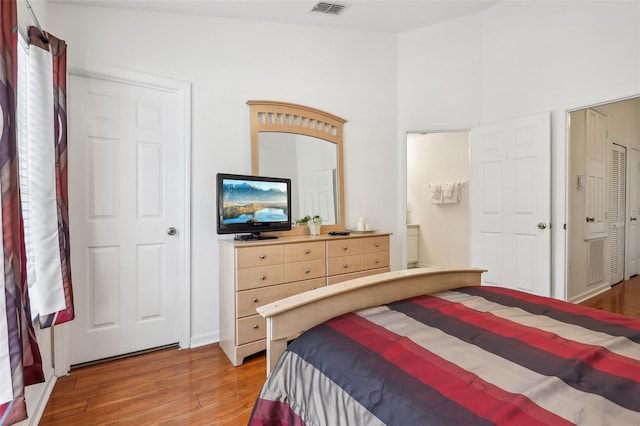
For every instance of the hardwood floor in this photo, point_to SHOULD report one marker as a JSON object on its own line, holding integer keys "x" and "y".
{"x": 199, "y": 386}
{"x": 623, "y": 298}
{"x": 169, "y": 387}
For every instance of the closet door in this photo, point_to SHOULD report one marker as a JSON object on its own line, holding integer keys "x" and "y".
{"x": 632, "y": 253}
{"x": 618, "y": 212}
{"x": 595, "y": 171}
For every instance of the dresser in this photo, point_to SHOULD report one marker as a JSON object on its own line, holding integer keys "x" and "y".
{"x": 254, "y": 273}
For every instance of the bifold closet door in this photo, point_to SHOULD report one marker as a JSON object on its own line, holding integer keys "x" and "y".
{"x": 617, "y": 192}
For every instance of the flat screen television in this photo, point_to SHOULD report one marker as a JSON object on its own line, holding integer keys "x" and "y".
{"x": 250, "y": 205}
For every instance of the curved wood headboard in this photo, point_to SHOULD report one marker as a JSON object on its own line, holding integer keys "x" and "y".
{"x": 293, "y": 315}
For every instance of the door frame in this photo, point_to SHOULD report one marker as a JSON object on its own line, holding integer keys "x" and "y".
{"x": 563, "y": 128}
{"x": 61, "y": 341}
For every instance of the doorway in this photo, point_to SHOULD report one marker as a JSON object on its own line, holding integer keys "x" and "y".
{"x": 129, "y": 214}
{"x": 602, "y": 242}
{"x": 442, "y": 229}
{"x": 505, "y": 213}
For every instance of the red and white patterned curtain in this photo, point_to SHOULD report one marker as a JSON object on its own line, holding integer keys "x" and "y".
{"x": 49, "y": 178}
{"x": 20, "y": 361}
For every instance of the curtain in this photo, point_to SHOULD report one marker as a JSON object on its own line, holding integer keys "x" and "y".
{"x": 20, "y": 360}
{"x": 48, "y": 179}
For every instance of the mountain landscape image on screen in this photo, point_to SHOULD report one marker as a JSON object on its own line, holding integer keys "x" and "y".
{"x": 244, "y": 202}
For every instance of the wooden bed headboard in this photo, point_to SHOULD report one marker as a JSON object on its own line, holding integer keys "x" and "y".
{"x": 293, "y": 315}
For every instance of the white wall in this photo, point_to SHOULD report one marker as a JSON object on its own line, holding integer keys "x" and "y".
{"x": 445, "y": 234}
{"x": 350, "y": 74}
{"x": 519, "y": 58}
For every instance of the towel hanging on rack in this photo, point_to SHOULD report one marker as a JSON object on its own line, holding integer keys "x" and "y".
{"x": 436, "y": 192}
{"x": 447, "y": 192}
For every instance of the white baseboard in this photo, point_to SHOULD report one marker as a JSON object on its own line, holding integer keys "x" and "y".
{"x": 590, "y": 293}
{"x": 426, "y": 265}
{"x": 37, "y": 397}
{"x": 205, "y": 339}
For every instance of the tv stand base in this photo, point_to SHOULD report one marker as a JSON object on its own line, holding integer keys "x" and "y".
{"x": 252, "y": 237}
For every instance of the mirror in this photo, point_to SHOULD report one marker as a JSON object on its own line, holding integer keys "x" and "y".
{"x": 305, "y": 145}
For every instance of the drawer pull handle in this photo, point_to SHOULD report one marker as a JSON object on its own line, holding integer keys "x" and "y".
{"x": 306, "y": 271}
{"x": 262, "y": 256}
{"x": 377, "y": 244}
{"x": 313, "y": 288}
{"x": 377, "y": 261}
{"x": 256, "y": 326}
{"x": 255, "y": 300}
{"x": 345, "y": 265}
{"x": 262, "y": 278}
{"x": 345, "y": 248}
{"x": 307, "y": 251}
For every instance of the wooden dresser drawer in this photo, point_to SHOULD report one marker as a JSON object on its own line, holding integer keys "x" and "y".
{"x": 375, "y": 244}
{"x": 343, "y": 265}
{"x": 249, "y": 300}
{"x": 261, "y": 277}
{"x": 251, "y": 257}
{"x": 250, "y": 329}
{"x": 299, "y": 271}
{"x": 344, "y": 277}
{"x": 304, "y": 251}
{"x": 344, "y": 247}
{"x": 375, "y": 260}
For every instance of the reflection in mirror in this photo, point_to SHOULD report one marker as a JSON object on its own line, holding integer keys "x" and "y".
{"x": 305, "y": 145}
{"x": 311, "y": 165}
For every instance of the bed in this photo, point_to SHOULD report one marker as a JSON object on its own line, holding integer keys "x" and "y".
{"x": 432, "y": 346}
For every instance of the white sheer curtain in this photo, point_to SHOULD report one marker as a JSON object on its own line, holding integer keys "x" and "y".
{"x": 38, "y": 183}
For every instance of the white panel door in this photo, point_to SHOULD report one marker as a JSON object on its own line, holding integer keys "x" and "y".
{"x": 511, "y": 203}
{"x": 124, "y": 190}
{"x": 596, "y": 173}
{"x": 618, "y": 212}
{"x": 632, "y": 252}
{"x": 317, "y": 196}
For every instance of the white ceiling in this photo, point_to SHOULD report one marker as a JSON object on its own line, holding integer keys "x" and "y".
{"x": 364, "y": 15}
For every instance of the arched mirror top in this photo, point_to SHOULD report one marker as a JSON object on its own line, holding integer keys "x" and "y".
{"x": 283, "y": 118}
{"x": 272, "y": 116}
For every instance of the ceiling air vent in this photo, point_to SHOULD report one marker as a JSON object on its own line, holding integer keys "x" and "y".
{"x": 329, "y": 8}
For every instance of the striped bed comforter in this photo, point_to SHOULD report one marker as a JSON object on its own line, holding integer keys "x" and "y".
{"x": 476, "y": 355}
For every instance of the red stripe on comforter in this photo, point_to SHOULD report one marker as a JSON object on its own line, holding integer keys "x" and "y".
{"x": 459, "y": 385}
{"x": 597, "y": 357}
{"x": 273, "y": 413}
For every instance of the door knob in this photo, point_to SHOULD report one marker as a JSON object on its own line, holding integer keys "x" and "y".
{"x": 171, "y": 231}
{"x": 542, "y": 225}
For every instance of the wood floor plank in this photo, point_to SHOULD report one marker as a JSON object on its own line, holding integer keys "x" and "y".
{"x": 623, "y": 298}
{"x": 198, "y": 386}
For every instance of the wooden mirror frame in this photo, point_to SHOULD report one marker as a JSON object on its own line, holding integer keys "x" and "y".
{"x": 274, "y": 116}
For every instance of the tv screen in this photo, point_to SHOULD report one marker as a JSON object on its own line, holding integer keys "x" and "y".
{"x": 252, "y": 205}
